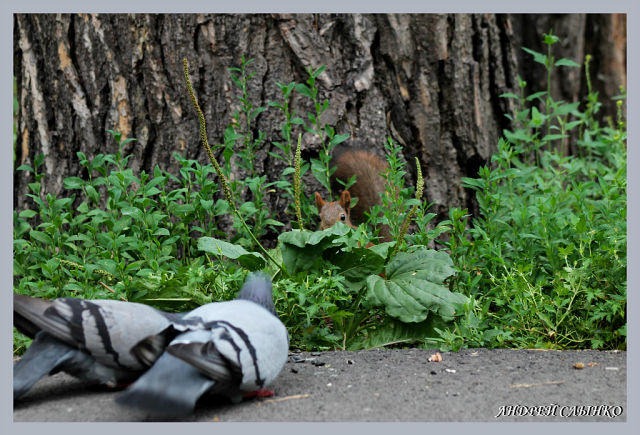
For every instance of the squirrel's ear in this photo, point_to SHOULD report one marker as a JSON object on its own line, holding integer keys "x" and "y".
{"x": 319, "y": 202}
{"x": 345, "y": 201}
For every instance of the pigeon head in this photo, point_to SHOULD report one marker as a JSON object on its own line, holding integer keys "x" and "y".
{"x": 257, "y": 288}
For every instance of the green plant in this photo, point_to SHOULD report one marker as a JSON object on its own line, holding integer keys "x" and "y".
{"x": 320, "y": 167}
{"x": 546, "y": 259}
{"x": 223, "y": 180}
{"x": 120, "y": 233}
{"x": 154, "y": 238}
{"x": 291, "y": 191}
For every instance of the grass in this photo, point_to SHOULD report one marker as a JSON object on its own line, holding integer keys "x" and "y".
{"x": 542, "y": 265}
{"x": 545, "y": 262}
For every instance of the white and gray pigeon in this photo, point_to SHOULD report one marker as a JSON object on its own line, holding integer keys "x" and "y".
{"x": 89, "y": 339}
{"x": 241, "y": 350}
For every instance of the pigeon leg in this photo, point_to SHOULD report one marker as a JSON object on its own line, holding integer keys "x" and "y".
{"x": 261, "y": 392}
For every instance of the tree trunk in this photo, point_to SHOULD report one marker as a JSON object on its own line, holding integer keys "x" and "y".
{"x": 603, "y": 36}
{"x": 431, "y": 82}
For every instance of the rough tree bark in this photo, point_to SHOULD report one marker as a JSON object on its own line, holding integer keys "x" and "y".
{"x": 603, "y": 36}
{"x": 432, "y": 82}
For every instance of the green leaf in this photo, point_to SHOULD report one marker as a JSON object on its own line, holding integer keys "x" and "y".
{"x": 563, "y": 109}
{"x": 134, "y": 212}
{"x": 554, "y": 137}
{"x": 92, "y": 193}
{"x": 357, "y": 264}
{"x": 41, "y": 237}
{"x": 304, "y": 90}
{"x": 393, "y": 332}
{"x": 27, "y": 214}
{"x": 536, "y": 95}
{"x": 301, "y": 249}
{"x": 550, "y": 39}
{"x": 537, "y": 57}
{"x": 566, "y": 62}
{"x": 413, "y": 286}
{"x": 250, "y": 260}
{"x": 183, "y": 209}
{"x": 571, "y": 125}
{"x": 34, "y": 187}
{"x": 518, "y": 135}
{"x": 339, "y": 138}
{"x": 509, "y": 95}
{"x": 25, "y": 168}
{"x": 150, "y": 191}
{"x": 273, "y": 222}
{"x": 473, "y": 183}
{"x": 545, "y": 320}
{"x": 319, "y": 71}
{"x": 73, "y": 183}
{"x": 536, "y": 117}
{"x": 108, "y": 265}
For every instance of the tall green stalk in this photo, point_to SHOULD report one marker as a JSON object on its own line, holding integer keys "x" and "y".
{"x": 223, "y": 179}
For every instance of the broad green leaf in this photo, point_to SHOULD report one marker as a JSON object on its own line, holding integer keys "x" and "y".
{"x": 301, "y": 249}
{"x": 250, "y": 260}
{"x": 108, "y": 265}
{"x": 27, "y": 214}
{"x": 413, "y": 286}
{"x": 393, "y": 332}
{"x": 357, "y": 265}
{"x": 382, "y": 249}
{"x": 473, "y": 183}
{"x": 134, "y": 212}
{"x": 304, "y": 90}
{"x": 302, "y": 239}
{"x": 73, "y": 183}
{"x": 183, "y": 209}
{"x": 150, "y": 191}
{"x": 41, "y": 237}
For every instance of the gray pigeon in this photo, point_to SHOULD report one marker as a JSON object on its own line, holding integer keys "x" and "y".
{"x": 89, "y": 339}
{"x": 241, "y": 350}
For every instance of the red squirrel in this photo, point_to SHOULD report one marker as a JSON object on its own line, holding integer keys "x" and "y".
{"x": 369, "y": 184}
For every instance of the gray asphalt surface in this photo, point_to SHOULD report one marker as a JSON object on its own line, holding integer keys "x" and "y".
{"x": 388, "y": 385}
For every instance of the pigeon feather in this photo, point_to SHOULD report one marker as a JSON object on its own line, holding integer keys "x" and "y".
{"x": 238, "y": 346}
{"x": 89, "y": 339}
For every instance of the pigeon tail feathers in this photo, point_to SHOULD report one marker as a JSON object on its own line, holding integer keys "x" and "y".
{"x": 168, "y": 389}
{"x": 257, "y": 288}
{"x": 45, "y": 354}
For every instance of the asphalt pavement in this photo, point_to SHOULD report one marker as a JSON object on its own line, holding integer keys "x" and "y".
{"x": 388, "y": 386}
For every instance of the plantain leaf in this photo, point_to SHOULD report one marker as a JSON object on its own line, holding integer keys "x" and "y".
{"x": 301, "y": 249}
{"x": 250, "y": 260}
{"x": 393, "y": 332}
{"x": 414, "y": 286}
{"x": 356, "y": 265}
